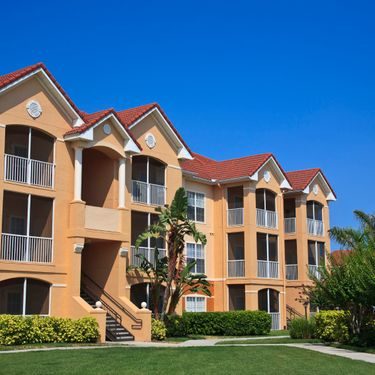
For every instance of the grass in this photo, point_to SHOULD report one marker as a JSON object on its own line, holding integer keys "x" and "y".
{"x": 42, "y": 346}
{"x": 281, "y": 340}
{"x": 185, "y": 338}
{"x": 203, "y": 360}
{"x": 361, "y": 349}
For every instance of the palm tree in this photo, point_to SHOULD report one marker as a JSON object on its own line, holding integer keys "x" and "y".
{"x": 173, "y": 226}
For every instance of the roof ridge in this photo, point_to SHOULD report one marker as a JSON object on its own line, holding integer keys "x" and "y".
{"x": 246, "y": 157}
{"x": 304, "y": 170}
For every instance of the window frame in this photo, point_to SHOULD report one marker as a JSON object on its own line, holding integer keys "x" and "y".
{"x": 195, "y": 244}
{"x": 195, "y": 206}
{"x": 195, "y": 297}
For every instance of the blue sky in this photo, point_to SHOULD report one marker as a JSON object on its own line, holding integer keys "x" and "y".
{"x": 295, "y": 78}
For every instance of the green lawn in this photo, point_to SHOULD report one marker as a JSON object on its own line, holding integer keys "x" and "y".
{"x": 208, "y": 360}
{"x": 281, "y": 340}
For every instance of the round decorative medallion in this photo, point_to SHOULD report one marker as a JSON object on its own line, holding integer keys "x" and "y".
{"x": 150, "y": 140}
{"x": 34, "y": 109}
{"x": 107, "y": 129}
{"x": 316, "y": 189}
{"x": 267, "y": 176}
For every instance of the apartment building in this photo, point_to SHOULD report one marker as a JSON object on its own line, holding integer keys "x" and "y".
{"x": 76, "y": 190}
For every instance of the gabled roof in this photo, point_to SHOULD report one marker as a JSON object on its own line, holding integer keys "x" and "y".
{"x": 131, "y": 117}
{"x": 10, "y": 80}
{"x": 246, "y": 167}
{"x": 301, "y": 179}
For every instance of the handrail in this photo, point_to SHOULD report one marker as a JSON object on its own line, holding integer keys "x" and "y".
{"x": 291, "y": 310}
{"x": 138, "y": 322}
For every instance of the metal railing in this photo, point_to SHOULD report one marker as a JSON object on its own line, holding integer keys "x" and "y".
{"x": 315, "y": 227}
{"x": 291, "y": 271}
{"x": 290, "y": 225}
{"x": 153, "y": 194}
{"x": 275, "y": 319}
{"x": 20, "y": 248}
{"x": 236, "y": 268}
{"x": 266, "y": 219}
{"x": 235, "y": 216}
{"x": 147, "y": 252}
{"x": 314, "y": 270}
{"x": 29, "y": 171}
{"x": 268, "y": 269}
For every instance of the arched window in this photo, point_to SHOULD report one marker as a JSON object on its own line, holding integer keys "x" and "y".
{"x": 23, "y": 296}
{"x": 142, "y": 293}
{"x": 29, "y": 156}
{"x": 266, "y": 208}
{"x": 148, "y": 177}
{"x": 314, "y": 210}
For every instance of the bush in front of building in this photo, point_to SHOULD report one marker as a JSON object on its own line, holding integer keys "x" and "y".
{"x": 175, "y": 325}
{"x": 158, "y": 330}
{"x": 332, "y": 326}
{"x": 301, "y": 328}
{"x": 19, "y": 330}
{"x": 230, "y": 323}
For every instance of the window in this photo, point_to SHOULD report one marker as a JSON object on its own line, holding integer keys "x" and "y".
{"x": 24, "y": 297}
{"x": 195, "y": 206}
{"x": 267, "y": 247}
{"x": 195, "y": 253}
{"x": 265, "y": 200}
{"x": 195, "y": 304}
{"x": 316, "y": 253}
{"x": 314, "y": 210}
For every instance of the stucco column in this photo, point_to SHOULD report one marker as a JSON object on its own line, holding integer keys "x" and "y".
{"x": 78, "y": 174}
{"x": 121, "y": 182}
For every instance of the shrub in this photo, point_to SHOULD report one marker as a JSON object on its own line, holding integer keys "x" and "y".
{"x": 175, "y": 326}
{"x": 232, "y": 323}
{"x": 158, "y": 330}
{"x": 301, "y": 328}
{"x": 332, "y": 325}
{"x": 19, "y": 330}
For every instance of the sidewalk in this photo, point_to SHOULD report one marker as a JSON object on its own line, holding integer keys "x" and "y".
{"x": 366, "y": 357}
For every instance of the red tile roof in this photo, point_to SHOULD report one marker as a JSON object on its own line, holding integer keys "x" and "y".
{"x": 9, "y": 78}
{"x": 130, "y": 116}
{"x": 339, "y": 255}
{"x": 301, "y": 179}
{"x": 206, "y": 168}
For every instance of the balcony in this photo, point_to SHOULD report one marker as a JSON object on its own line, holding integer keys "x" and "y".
{"x": 268, "y": 269}
{"x": 236, "y": 268}
{"x": 102, "y": 219}
{"x": 291, "y": 271}
{"x": 20, "y": 248}
{"x": 315, "y": 227}
{"x": 147, "y": 193}
{"x": 290, "y": 225}
{"x": 314, "y": 270}
{"x": 28, "y": 171}
{"x": 235, "y": 216}
{"x": 266, "y": 218}
{"x": 147, "y": 252}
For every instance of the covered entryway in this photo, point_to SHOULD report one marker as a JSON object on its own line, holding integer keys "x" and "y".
{"x": 143, "y": 293}
{"x": 268, "y": 300}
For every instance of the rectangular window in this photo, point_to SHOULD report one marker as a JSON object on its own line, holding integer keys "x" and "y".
{"x": 195, "y": 253}
{"x": 195, "y": 206}
{"x": 195, "y": 304}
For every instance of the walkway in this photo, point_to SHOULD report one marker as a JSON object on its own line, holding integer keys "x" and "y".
{"x": 366, "y": 357}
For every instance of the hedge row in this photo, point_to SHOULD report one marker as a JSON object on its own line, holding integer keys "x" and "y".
{"x": 232, "y": 323}
{"x": 19, "y": 330}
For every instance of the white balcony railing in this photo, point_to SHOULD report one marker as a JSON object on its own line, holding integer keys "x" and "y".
{"x": 21, "y": 248}
{"x": 29, "y": 171}
{"x": 148, "y": 193}
{"x": 314, "y": 270}
{"x": 290, "y": 225}
{"x": 147, "y": 252}
{"x": 236, "y": 268}
{"x": 291, "y": 271}
{"x": 268, "y": 269}
{"x": 266, "y": 219}
{"x": 315, "y": 227}
{"x": 275, "y": 319}
{"x": 235, "y": 216}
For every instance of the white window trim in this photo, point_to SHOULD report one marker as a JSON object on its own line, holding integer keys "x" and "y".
{"x": 196, "y": 296}
{"x": 195, "y": 206}
{"x": 195, "y": 258}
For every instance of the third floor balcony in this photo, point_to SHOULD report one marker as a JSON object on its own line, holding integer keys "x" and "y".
{"x": 29, "y": 157}
{"x": 235, "y": 215}
{"x": 266, "y": 215}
